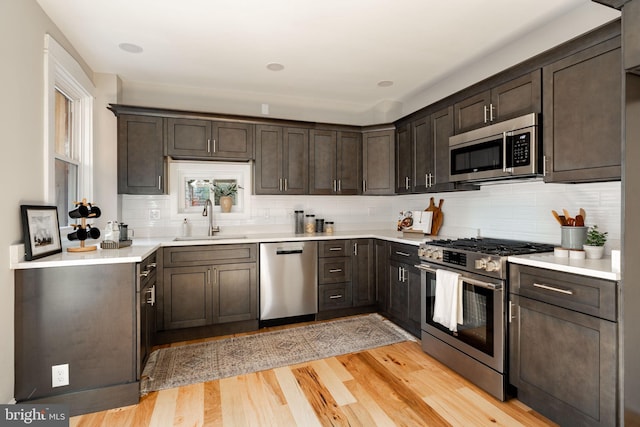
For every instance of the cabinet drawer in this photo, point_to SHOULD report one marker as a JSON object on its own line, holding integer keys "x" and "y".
{"x": 200, "y": 255}
{"x": 334, "y": 270}
{"x": 334, "y": 296}
{"x": 333, "y": 248}
{"x": 405, "y": 253}
{"x": 588, "y": 295}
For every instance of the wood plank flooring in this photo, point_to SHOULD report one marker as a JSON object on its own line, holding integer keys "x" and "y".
{"x": 396, "y": 385}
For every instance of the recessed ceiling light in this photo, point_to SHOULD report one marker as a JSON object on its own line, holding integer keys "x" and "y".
{"x": 275, "y": 66}
{"x": 130, "y": 47}
{"x": 385, "y": 83}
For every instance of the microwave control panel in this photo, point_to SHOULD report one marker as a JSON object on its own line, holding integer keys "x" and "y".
{"x": 521, "y": 149}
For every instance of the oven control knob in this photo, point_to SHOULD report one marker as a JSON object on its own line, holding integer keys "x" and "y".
{"x": 436, "y": 254}
{"x": 422, "y": 252}
{"x": 492, "y": 266}
{"x": 481, "y": 264}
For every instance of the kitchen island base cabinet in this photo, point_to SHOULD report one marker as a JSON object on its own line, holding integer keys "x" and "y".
{"x": 83, "y": 316}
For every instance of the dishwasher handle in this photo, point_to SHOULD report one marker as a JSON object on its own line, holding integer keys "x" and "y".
{"x": 288, "y": 251}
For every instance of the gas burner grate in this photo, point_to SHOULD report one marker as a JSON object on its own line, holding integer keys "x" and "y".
{"x": 491, "y": 246}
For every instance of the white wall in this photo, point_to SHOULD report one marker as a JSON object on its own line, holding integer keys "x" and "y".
{"x": 510, "y": 210}
{"x": 22, "y": 28}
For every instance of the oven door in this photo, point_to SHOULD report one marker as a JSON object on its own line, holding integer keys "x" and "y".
{"x": 482, "y": 334}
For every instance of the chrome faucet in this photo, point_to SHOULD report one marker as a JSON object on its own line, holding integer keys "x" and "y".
{"x": 208, "y": 211}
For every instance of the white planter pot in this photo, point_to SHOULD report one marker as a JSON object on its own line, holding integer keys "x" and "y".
{"x": 593, "y": 252}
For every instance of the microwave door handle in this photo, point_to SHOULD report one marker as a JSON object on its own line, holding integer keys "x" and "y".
{"x": 505, "y": 140}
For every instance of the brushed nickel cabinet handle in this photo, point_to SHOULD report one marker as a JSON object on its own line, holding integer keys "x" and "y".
{"x": 336, "y": 248}
{"x": 402, "y": 253}
{"x": 335, "y": 296}
{"x": 552, "y": 288}
{"x": 208, "y": 145}
{"x": 355, "y": 249}
{"x": 335, "y": 270}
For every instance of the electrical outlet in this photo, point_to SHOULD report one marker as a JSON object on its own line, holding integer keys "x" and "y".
{"x": 154, "y": 214}
{"x": 60, "y": 375}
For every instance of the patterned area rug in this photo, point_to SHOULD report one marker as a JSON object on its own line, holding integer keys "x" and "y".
{"x": 194, "y": 363}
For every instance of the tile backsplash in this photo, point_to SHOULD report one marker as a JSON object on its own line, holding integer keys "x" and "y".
{"x": 514, "y": 210}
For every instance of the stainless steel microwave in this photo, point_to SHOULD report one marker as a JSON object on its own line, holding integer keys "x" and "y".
{"x": 509, "y": 149}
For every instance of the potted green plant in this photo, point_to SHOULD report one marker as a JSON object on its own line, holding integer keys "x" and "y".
{"x": 226, "y": 192}
{"x": 594, "y": 244}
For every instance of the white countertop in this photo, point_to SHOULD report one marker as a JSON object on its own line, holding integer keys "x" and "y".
{"x": 600, "y": 268}
{"x": 143, "y": 247}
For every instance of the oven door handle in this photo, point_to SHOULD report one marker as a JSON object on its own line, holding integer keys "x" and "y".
{"x": 490, "y": 286}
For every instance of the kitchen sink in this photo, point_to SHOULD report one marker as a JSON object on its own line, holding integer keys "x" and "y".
{"x": 222, "y": 237}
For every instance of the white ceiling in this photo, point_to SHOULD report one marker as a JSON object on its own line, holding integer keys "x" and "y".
{"x": 332, "y": 50}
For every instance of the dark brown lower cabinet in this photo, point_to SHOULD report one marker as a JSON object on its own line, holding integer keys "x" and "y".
{"x": 564, "y": 346}
{"x": 83, "y": 317}
{"x": 404, "y": 296}
{"x": 208, "y": 285}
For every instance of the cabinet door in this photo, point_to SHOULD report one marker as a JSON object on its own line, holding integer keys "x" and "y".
{"x": 472, "y": 112}
{"x": 442, "y": 129}
{"x": 233, "y": 141}
{"x": 322, "y": 162}
{"x": 413, "y": 310}
{"x": 398, "y": 291}
{"x": 382, "y": 275}
{"x": 582, "y": 110}
{"x": 378, "y": 159}
{"x": 517, "y": 97}
{"x": 404, "y": 159}
{"x": 235, "y": 292}
{"x": 187, "y": 297}
{"x": 563, "y": 363}
{"x": 334, "y": 296}
{"x": 140, "y": 155}
{"x": 269, "y": 161}
{"x": 349, "y": 162}
{"x": 188, "y": 138}
{"x": 363, "y": 272}
{"x": 295, "y": 161}
{"x": 422, "y": 144}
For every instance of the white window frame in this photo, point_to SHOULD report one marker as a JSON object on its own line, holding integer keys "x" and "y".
{"x": 62, "y": 71}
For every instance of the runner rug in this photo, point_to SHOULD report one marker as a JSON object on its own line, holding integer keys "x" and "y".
{"x": 193, "y": 363}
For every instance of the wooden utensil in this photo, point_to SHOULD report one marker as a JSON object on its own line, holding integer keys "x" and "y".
{"x": 579, "y": 221}
{"x": 557, "y": 217}
{"x": 437, "y": 219}
{"x": 583, "y": 214}
{"x": 566, "y": 214}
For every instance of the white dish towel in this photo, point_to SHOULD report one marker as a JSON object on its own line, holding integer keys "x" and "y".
{"x": 447, "y": 308}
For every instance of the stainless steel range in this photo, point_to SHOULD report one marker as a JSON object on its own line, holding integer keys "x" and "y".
{"x": 475, "y": 347}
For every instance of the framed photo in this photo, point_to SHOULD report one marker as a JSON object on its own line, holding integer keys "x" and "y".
{"x": 41, "y": 231}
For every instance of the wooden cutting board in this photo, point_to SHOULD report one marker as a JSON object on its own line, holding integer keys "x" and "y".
{"x": 437, "y": 219}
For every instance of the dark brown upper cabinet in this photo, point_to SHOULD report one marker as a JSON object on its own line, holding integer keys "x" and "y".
{"x": 210, "y": 140}
{"x": 514, "y": 98}
{"x": 414, "y": 156}
{"x": 582, "y": 127}
{"x": 282, "y": 159}
{"x": 378, "y": 153}
{"x": 141, "y": 165}
{"x": 335, "y": 162}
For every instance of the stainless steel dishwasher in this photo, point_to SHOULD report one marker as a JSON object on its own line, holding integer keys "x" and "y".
{"x": 288, "y": 279}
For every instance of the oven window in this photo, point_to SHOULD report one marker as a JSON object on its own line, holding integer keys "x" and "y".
{"x": 477, "y": 329}
{"x": 477, "y": 157}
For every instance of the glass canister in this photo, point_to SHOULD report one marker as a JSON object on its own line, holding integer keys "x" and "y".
{"x": 320, "y": 225}
{"x": 310, "y": 224}
{"x": 328, "y": 227}
{"x": 299, "y": 222}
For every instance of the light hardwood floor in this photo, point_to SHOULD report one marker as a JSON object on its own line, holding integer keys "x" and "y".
{"x": 396, "y": 385}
